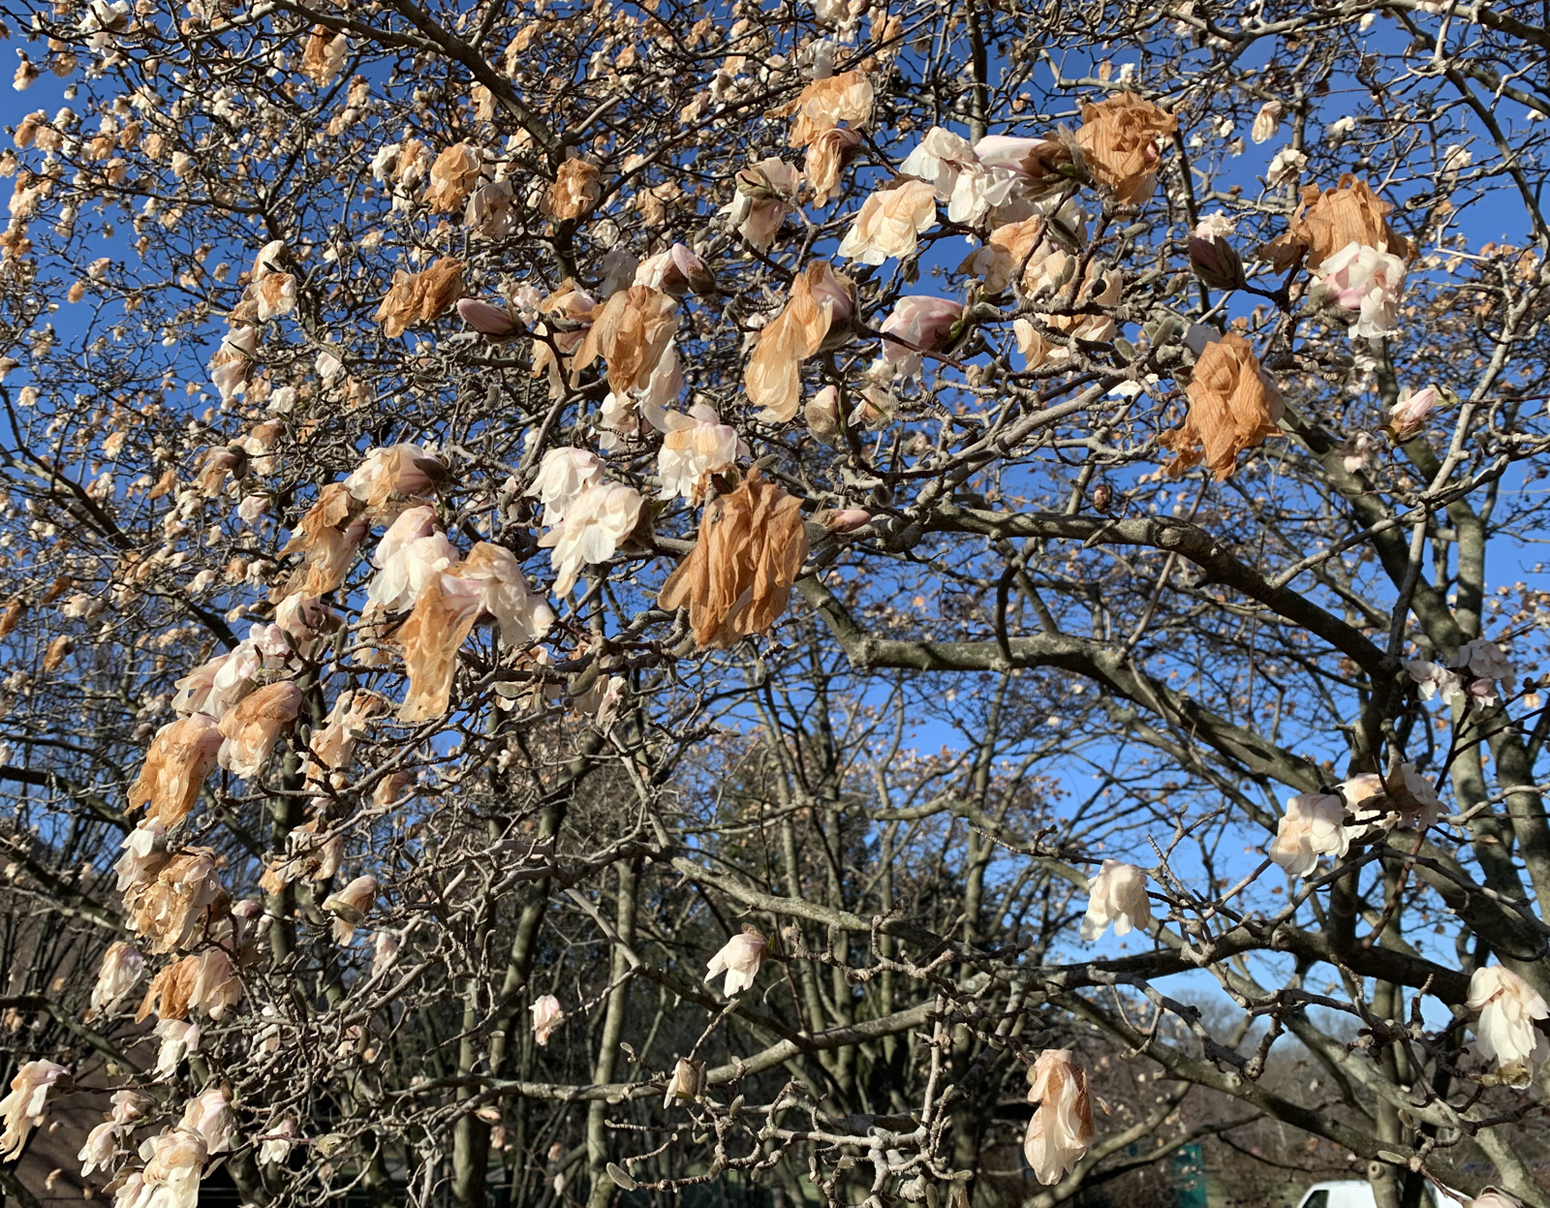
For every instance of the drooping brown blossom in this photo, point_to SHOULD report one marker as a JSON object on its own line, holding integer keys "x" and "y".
{"x": 253, "y": 727}
{"x": 180, "y": 757}
{"x": 577, "y": 188}
{"x": 324, "y": 55}
{"x": 826, "y": 103}
{"x": 452, "y": 178}
{"x": 171, "y": 910}
{"x": 1233, "y": 406}
{"x": 442, "y": 618}
{"x": 327, "y": 538}
{"x": 1328, "y": 220}
{"x": 403, "y": 469}
{"x": 737, "y": 579}
{"x": 820, "y": 299}
{"x": 1118, "y": 139}
{"x": 630, "y": 332}
{"x": 420, "y": 297}
{"x": 827, "y": 154}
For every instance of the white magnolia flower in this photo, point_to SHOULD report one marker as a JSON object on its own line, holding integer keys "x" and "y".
{"x": 410, "y": 552}
{"x": 210, "y": 1116}
{"x": 524, "y": 615}
{"x": 739, "y": 958}
{"x": 121, "y": 968}
{"x": 1266, "y": 121}
{"x": 1508, "y": 1006}
{"x": 595, "y": 525}
{"x": 564, "y": 475}
{"x": 29, "y": 1090}
{"x": 175, "y": 1162}
{"x": 696, "y": 446}
{"x": 547, "y": 1015}
{"x": 1485, "y": 658}
{"x": 97, "y": 1153}
{"x": 1363, "y": 279}
{"x": 939, "y": 159}
{"x": 1116, "y": 895}
{"x": 178, "y": 1040}
{"x": 278, "y": 1143}
{"x": 1062, "y": 1128}
{"x": 1313, "y": 826}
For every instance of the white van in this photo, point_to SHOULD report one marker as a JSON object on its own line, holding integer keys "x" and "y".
{"x": 1354, "y": 1193}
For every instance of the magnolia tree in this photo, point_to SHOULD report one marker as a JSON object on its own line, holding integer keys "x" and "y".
{"x": 607, "y": 598}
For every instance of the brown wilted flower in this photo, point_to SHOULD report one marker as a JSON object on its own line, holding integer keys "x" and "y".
{"x": 328, "y": 538}
{"x": 826, "y": 103}
{"x": 578, "y": 186}
{"x": 169, "y": 992}
{"x": 1233, "y": 405}
{"x": 442, "y": 618}
{"x": 737, "y": 579}
{"x": 254, "y": 725}
{"x": 185, "y": 895}
{"x": 12, "y": 616}
{"x": 404, "y": 469}
{"x": 631, "y": 332}
{"x": 324, "y": 55}
{"x": 1061, "y": 1130}
{"x": 1330, "y": 219}
{"x": 180, "y": 757}
{"x": 1118, "y": 139}
{"x": 821, "y": 299}
{"x": 827, "y": 154}
{"x": 420, "y": 297}
{"x": 206, "y": 982}
{"x": 58, "y": 651}
{"x": 453, "y": 177}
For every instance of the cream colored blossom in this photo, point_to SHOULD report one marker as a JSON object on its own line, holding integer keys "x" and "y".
{"x": 766, "y": 193}
{"x": 277, "y": 1143}
{"x": 122, "y": 966}
{"x": 1266, "y": 121}
{"x": 410, "y": 552}
{"x": 210, "y": 1115}
{"x": 1313, "y": 826}
{"x": 1508, "y": 1006}
{"x": 178, "y": 1040}
{"x": 29, "y": 1091}
{"x": 694, "y": 447}
{"x": 1118, "y": 895}
{"x": 564, "y": 475}
{"x": 596, "y": 524}
{"x": 97, "y": 1152}
{"x": 174, "y": 1167}
{"x": 739, "y": 958}
{"x": 1061, "y": 1130}
{"x": 547, "y": 1016}
{"x": 350, "y": 905}
{"x": 523, "y": 614}
{"x": 889, "y": 221}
